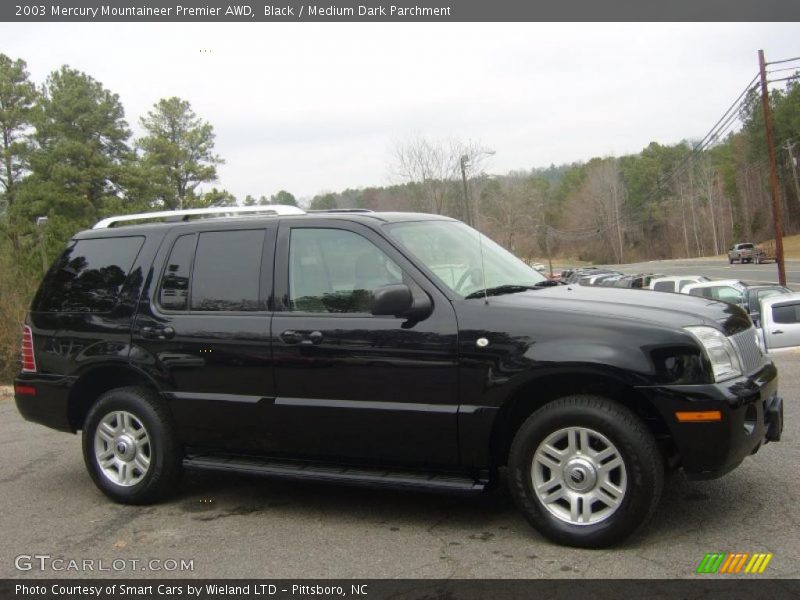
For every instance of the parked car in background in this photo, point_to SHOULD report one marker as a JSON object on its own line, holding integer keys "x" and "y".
{"x": 755, "y": 293}
{"x": 675, "y": 283}
{"x": 745, "y": 252}
{"x": 596, "y": 278}
{"x": 780, "y": 322}
{"x": 732, "y": 291}
{"x": 640, "y": 281}
{"x": 610, "y": 280}
{"x": 575, "y": 275}
{"x": 536, "y": 266}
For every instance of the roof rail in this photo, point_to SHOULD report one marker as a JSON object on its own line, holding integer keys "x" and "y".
{"x": 184, "y": 214}
{"x": 341, "y": 210}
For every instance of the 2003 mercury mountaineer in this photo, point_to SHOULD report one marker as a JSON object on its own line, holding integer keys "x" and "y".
{"x": 384, "y": 349}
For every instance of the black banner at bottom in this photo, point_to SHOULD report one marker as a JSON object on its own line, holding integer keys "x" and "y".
{"x": 710, "y": 587}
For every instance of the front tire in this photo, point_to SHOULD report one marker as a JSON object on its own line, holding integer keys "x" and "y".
{"x": 130, "y": 447}
{"x": 585, "y": 471}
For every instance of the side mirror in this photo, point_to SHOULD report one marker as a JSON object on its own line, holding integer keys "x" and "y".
{"x": 398, "y": 301}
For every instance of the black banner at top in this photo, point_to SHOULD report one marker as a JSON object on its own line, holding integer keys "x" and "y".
{"x": 190, "y": 11}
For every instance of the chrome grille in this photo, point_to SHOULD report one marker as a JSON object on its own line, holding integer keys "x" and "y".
{"x": 747, "y": 346}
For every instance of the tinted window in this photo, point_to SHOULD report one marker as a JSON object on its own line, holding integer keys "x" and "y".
{"x": 174, "y": 294}
{"x": 335, "y": 271}
{"x": 786, "y": 313}
{"x": 89, "y": 275}
{"x": 664, "y": 286}
{"x": 226, "y": 271}
{"x": 684, "y": 282}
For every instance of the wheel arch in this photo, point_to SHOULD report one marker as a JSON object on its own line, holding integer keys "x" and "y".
{"x": 96, "y": 381}
{"x": 540, "y": 391}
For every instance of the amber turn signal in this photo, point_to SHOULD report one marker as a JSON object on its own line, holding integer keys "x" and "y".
{"x": 698, "y": 416}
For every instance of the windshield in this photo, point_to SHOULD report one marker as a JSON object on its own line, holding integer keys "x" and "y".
{"x": 451, "y": 251}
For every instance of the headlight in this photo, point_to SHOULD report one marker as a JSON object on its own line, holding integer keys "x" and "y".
{"x": 719, "y": 350}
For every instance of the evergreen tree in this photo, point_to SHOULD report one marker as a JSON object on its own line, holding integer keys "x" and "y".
{"x": 178, "y": 151}
{"x": 17, "y": 102}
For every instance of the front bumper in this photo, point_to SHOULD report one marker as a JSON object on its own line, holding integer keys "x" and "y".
{"x": 752, "y": 415}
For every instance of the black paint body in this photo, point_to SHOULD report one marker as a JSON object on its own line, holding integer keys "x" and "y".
{"x": 380, "y": 390}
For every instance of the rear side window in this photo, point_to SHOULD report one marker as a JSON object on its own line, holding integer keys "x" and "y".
{"x": 88, "y": 276}
{"x": 213, "y": 271}
{"x": 174, "y": 294}
{"x": 227, "y": 270}
{"x": 786, "y": 313}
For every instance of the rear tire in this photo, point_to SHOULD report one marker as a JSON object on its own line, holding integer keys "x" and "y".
{"x": 585, "y": 471}
{"x": 130, "y": 447}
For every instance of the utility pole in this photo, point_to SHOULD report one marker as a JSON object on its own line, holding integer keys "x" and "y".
{"x": 547, "y": 246}
{"x": 467, "y": 212}
{"x": 793, "y": 163}
{"x": 777, "y": 217}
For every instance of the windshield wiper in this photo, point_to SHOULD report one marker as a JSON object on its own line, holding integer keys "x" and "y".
{"x": 502, "y": 289}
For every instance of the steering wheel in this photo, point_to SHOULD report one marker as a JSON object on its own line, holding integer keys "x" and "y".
{"x": 470, "y": 273}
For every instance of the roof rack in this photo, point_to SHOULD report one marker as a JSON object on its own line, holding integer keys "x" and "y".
{"x": 184, "y": 214}
{"x": 341, "y": 210}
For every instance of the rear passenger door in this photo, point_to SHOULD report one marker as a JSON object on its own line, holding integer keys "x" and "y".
{"x": 204, "y": 332}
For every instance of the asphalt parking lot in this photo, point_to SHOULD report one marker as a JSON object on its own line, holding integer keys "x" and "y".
{"x": 238, "y": 527}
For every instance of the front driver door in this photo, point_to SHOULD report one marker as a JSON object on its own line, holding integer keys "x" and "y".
{"x": 350, "y": 385}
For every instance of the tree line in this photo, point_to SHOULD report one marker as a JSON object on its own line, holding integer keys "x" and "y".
{"x": 682, "y": 200}
{"x": 68, "y": 154}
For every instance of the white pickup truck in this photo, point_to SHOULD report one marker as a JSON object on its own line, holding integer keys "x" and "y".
{"x": 780, "y": 322}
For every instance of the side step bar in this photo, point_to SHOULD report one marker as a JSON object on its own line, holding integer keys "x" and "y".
{"x": 286, "y": 469}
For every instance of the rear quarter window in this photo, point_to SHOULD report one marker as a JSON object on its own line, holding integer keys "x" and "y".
{"x": 88, "y": 276}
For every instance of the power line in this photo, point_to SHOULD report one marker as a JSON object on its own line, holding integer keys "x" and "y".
{"x": 790, "y": 78}
{"x": 718, "y": 131}
{"x": 784, "y": 69}
{"x": 785, "y": 60}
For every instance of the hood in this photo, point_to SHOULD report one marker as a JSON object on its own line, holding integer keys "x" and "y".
{"x": 662, "y": 308}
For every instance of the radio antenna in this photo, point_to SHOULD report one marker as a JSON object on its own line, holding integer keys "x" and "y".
{"x": 483, "y": 269}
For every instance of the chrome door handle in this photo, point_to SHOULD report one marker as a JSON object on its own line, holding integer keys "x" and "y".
{"x": 158, "y": 333}
{"x": 290, "y": 336}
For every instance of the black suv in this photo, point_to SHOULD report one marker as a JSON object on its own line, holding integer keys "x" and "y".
{"x": 384, "y": 349}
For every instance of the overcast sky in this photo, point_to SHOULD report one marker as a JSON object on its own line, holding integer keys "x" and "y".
{"x": 312, "y": 107}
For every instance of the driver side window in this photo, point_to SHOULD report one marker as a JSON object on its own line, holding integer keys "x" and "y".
{"x": 336, "y": 271}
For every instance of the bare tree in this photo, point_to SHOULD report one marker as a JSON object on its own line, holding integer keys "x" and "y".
{"x": 435, "y": 164}
{"x": 430, "y": 163}
{"x": 513, "y": 211}
{"x": 603, "y": 190}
